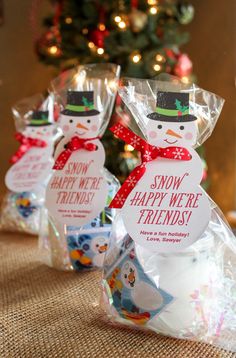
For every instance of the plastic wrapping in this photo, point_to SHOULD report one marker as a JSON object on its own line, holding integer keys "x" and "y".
{"x": 20, "y": 210}
{"x": 189, "y": 294}
{"x": 67, "y": 247}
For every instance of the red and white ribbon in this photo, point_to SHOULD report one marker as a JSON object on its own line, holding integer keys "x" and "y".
{"x": 148, "y": 153}
{"x": 25, "y": 144}
{"x": 74, "y": 144}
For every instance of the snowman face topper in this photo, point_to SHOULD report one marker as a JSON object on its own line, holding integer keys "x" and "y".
{"x": 39, "y": 127}
{"x": 80, "y": 117}
{"x": 171, "y": 124}
{"x": 99, "y": 245}
{"x": 129, "y": 274}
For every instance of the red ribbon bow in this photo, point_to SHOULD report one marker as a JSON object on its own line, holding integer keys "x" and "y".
{"x": 74, "y": 144}
{"x": 148, "y": 153}
{"x": 25, "y": 144}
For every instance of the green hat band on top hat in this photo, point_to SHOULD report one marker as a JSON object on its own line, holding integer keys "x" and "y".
{"x": 171, "y": 112}
{"x": 73, "y": 107}
{"x": 38, "y": 121}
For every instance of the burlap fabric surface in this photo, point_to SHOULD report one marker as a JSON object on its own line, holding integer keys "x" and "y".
{"x": 47, "y": 313}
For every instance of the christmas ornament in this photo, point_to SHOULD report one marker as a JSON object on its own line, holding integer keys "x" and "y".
{"x": 137, "y": 20}
{"x": 183, "y": 66}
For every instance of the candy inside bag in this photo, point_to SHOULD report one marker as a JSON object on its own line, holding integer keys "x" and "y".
{"x": 34, "y": 118}
{"x": 85, "y": 97}
{"x": 185, "y": 292}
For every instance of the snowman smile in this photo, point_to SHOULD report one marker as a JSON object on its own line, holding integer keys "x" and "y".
{"x": 169, "y": 142}
{"x": 79, "y": 134}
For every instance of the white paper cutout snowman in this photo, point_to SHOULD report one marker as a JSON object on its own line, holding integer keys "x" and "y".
{"x": 33, "y": 168}
{"x": 79, "y": 119}
{"x": 170, "y": 126}
{"x": 99, "y": 246}
{"x": 143, "y": 295}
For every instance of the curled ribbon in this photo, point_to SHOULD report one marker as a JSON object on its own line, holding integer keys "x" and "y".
{"x": 148, "y": 153}
{"x": 25, "y": 144}
{"x": 73, "y": 145}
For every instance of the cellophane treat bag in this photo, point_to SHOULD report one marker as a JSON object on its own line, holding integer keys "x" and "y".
{"x": 80, "y": 190}
{"x": 171, "y": 264}
{"x": 31, "y": 164}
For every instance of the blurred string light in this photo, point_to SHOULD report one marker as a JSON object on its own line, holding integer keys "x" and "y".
{"x": 91, "y": 45}
{"x": 100, "y": 51}
{"x": 152, "y": 2}
{"x": 53, "y": 50}
{"x": 68, "y": 20}
{"x": 85, "y": 31}
{"x": 160, "y": 58}
{"x": 136, "y": 57}
{"x": 185, "y": 79}
{"x": 157, "y": 67}
{"x": 128, "y": 148}
{"x": 153, "y": 10}
{"x": 121, "y": 21}
{"x": 101, "y": 27}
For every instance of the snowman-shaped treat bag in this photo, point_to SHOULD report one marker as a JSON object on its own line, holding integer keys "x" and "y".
{"x": 31, "y": 164}
{"x": 170, "y": 264}
{"x": 80, "y": 190}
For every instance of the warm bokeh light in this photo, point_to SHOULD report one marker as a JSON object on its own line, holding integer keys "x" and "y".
{"x": 153, "y": 10}
{"x": 160, "y": 58}
{"x": 100, "y": 51}
{"x": 102, "y": 27}
{"x": 122, "y": 24}
{"x": 68, "y": 20}
{"x": 117, "y": 18}
{"x": 185, "y": 79}
{"x": 152, "y": 2}
{"x": 136, "y": 57}
{"x": 128, "y": 148}
{"x": 53, "y": 50}
{"x": 85, "y": 31}
{"x": 91, "y": 45}
{"x": 157, "y": 67}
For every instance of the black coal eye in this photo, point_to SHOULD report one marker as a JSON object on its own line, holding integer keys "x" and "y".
{"x": 88, "y": 121}
{"x": 181, "y": 127}
{"x": 71, "y": 120}
{"x": 160, "y": 126}
{"x": 130, "y": 270}
{"x": 97, "y": 245}
{"x": 125, "y": 276}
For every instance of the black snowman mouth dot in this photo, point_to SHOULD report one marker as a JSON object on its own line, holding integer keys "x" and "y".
{"x": 169, "y": 142}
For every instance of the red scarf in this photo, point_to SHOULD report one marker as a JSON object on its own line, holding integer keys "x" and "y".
{"x": 74, "y": 144}
{"x": 25, "y": 144}
{"x": 148, "y": 153}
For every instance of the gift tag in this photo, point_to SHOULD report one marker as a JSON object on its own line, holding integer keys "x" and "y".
{"x": 30, "y": 171}
{"x": 165, "y": 212}
{"x": 77, "y": 194}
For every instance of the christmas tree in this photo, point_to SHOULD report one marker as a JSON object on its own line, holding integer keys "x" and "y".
{"x": 143, "y": 36}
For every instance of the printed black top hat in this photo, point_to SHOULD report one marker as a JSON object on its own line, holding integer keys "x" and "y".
{"x": 80, "y": 103}
{"x": 172, "y": 107}
{"x": 39, "y": 118}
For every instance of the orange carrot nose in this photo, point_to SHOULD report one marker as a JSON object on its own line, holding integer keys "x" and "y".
{"x": 131, "y": 276}
{"x": 79, "y": 125}
{"x": 170, "y": 132}
{"x": 103, "y": 248}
